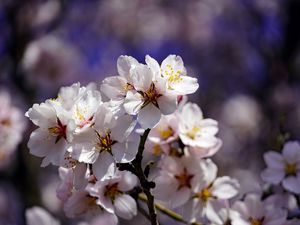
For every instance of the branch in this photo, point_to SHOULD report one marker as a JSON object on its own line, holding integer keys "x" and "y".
{"x": 146, "y": 185}
{"x": 168, "y": 212}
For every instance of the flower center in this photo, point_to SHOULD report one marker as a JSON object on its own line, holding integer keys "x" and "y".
{"x": 90, "y": 200}
{"x": 127, "y": 87}
{"x": 60, "y": 131}
{"x": 5, "y": 122}
{"x": 104, "y": 142}
{"x": 157, "y": 150}
{"x": 205, "y": 194}
{"x": 165, "y": 133}
{"x": 112, "y": 191}
{"x": 290, "y": 169}
{"x": 193, "y": 132}
{"x": 150, "y": 96}
{"x": 254, "y": 221}
{"x": 172, "y": 75}
{"x": 184, "y": 179}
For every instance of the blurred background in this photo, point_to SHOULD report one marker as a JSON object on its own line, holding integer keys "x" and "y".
{"x": 245, "y": 54}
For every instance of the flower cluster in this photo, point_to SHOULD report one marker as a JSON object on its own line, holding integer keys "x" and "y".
{"x": 105, "y": 172}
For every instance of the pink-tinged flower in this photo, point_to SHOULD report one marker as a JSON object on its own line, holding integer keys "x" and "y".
{"x": 12, "y": 125}
{"x": 162, "y": 135}
{"x": 284, "y": 168}
{"x": 176, "y": 179}
{"x": 80, "y": 204}
{"x": 81, "y": 102}
{"x": 173, "y": 71}
{"x": 212, "y": 187}
{"x": 110, "y": 194}
{"x": 74, "y": 178}
{"x": 55, "y": 132}
{"x": 253, "y": 211}
{"x": 149, "y": 99}
{"x": 198, "y": 133}
{"x": 106, "y": 142}
{"x": 39, "y": 216}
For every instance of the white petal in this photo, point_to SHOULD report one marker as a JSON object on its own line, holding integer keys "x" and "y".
{"x": 43, "y": 115}
{"x": 153, "y": 65}
{"x": 180, "y": 197}
{"x": 213, "y": 209}
{"x": 225, "y": 187}
{"x": 85, "y": 153}
{"x": 274, "y": 160}
{"x": 133, "y": 102}
{"x": 113, "y": 87}
{"x": 104, "y": 165}
{"x": 254, "y": 205}
{"x": 276, "y": 216}
{"x": 149, "y": 116}
{"x": 124, "y": 126}
{"x": 167, "y": 104}
{"x": 104, "y": 119}
{"x": 273, "y": 176}
{"x": 165, "y": 187}
{"x": 125, "y": 152}
{"x": 142, "y": 77}
{"x": 124, "y": 64}
{"x": 125, "y": 207}
{"x": 187, "y": 85}
{"x": 291, "y": 152}
{"x": 292, "y": 184}
{"x": 128, "y": 181}
{"x": 105, "y": 219}
{"x": 210, "y": 173}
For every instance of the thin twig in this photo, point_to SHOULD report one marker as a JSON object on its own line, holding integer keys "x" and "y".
{"x": 167, "y": 211}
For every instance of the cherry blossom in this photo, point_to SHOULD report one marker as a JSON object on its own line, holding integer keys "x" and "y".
{"x": 211, "y": 187}
{"x": 176, "y": 179}
{"x": 106, "y": 142}
{"x": 284, "y": 168}
{"x": 198, "y": 133}
{"x": 110, "y": 194}
{"x": 253, "y": 211}
{"x": 55, "y": 131}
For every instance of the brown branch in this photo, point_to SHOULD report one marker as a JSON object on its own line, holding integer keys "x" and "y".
{"x": 145, "y": 184}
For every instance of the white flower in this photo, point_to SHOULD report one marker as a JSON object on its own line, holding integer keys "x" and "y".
{"x": 39, "y": 216}
{"x": 253, "y": 211}
{"x": 284, "y": 168}
{"x": 162, "y": 135}
{"x": 111, "y": 194}
{"x": 81, "y": 203}
{"x": 106, "y": 142}
{"x": 12, "y": 125}
{"x": 172, "y": 69}
{"x": 198, "y": 133}
{"x": 55, "y": 131}
{"x": 149, "y": 99}
{"x": 211, "y": 187}
{"x": 116, "y": 87}
{"x": 176, "y": 179}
